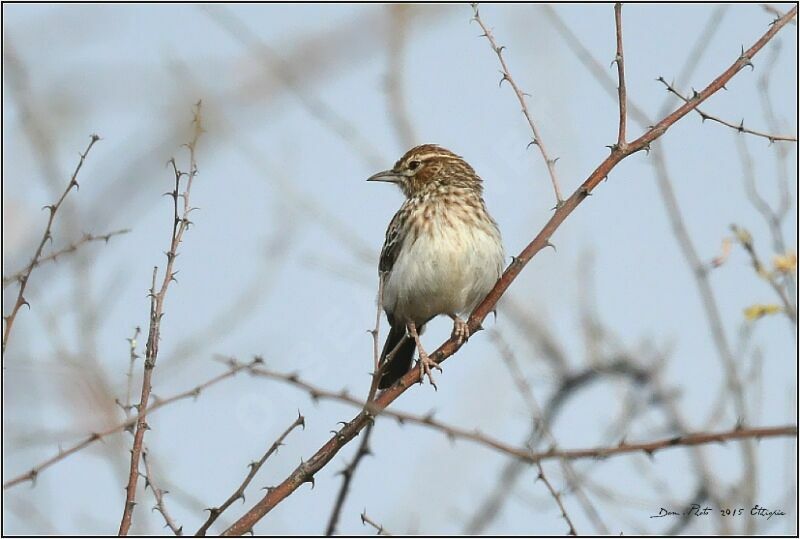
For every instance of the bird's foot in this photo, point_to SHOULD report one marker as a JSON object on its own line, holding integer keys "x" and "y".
{"x": 426, "y": 366}
{"x": 460, "y": 330}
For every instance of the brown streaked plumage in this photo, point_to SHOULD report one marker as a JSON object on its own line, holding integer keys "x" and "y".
{"x": 443, "y": 253}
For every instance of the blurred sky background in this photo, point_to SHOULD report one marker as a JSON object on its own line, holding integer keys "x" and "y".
{"x": 282, "y": 259}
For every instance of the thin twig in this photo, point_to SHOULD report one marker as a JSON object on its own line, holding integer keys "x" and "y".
{"x": 324, "y": 454}
{"x": 738, "y": 127}
{"x": 179, "y": 225}
{"x": 158, "y": 494}
{"x": 556, "y": 497}
{"x": 378, "y": 368}
{"x": 255, "y": 466}
{"x": 537, "y": 139}
{"x": 52, "y": 257}
{"x": 127, "y": 406}
{"x": 194, "y": 392}
{"x": 48, "y": 235}
{"x": 347, "y": 479}
{"x": 378, "y": 527}
{"x": 619, "y": 59}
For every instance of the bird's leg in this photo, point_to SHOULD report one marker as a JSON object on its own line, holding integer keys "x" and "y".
{"x": 425, "y": 362}
{"x": 460, "y": 329}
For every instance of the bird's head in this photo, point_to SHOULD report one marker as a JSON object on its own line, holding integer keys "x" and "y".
{"x": 427, "y": 167}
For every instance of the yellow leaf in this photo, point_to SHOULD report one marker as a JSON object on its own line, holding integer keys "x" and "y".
{"x": 785, "y": 263}
{"x": 754, "y": 312}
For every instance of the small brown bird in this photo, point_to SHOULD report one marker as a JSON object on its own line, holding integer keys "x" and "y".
{"x": 443, "y": 253}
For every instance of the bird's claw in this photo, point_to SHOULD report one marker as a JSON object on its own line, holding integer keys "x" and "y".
{"x": 426, "y": 366}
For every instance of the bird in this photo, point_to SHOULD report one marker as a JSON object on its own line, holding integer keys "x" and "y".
{"x": 442, "y": 255}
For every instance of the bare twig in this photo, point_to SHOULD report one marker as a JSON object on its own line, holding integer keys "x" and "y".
{"x": 158, "y": 494}
{"x": 771, "y": 137}
{"x": 305, "y": 472}
{"x": 537, "y": 139}
{"x": 127, "y": 406}
{"x": 52, "y": 257}
{"x": 556, "y": 497}
{"x": 179, "y": 225}
{"x": 378, "y": 368}
{"x": 347, "y": 478}
{"x": 26, "y": 273}
{"x": 255, "y": 466}
{"x": 619, "y": 59}
{"x": 378, "y": 528}
{"x": 34, "y": 472}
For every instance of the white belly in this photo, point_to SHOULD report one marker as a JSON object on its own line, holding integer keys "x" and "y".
{"x": 447, "y": 270}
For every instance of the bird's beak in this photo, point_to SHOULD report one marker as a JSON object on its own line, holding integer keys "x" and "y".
{"x": 385, "y": 176}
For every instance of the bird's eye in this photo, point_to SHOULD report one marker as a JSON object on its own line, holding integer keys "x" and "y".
{"x": 414, "y": 165}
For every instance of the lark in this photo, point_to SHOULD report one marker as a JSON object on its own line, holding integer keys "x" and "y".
{"x": 442, "y": 255}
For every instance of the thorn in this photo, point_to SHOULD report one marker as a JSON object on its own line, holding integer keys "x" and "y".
{"x": 548, "y": 244}
{"x": 534, "y": 142}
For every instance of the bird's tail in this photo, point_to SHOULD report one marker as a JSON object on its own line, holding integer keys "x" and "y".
{"x": 400, "y": 362}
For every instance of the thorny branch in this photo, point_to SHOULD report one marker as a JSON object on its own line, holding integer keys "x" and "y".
{"x": 255, "y": 466}
{"x": 347, "y": 478}
{"x": 71, "y": 248}
{"x": 158, "y": 494}
{"x": 537, "y": 139}
{"x": 179, "y": 225}
{"x": 557, "y": 498}
{"x": 34, "y": 472}
{"x": 738, "y": 127}
{"x": 378, "y": 527}
{"x": 305, "y": 472}
{"x": 48, "y": 235}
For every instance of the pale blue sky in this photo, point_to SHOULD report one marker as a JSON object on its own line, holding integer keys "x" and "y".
{"x": 263, "y": 247}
